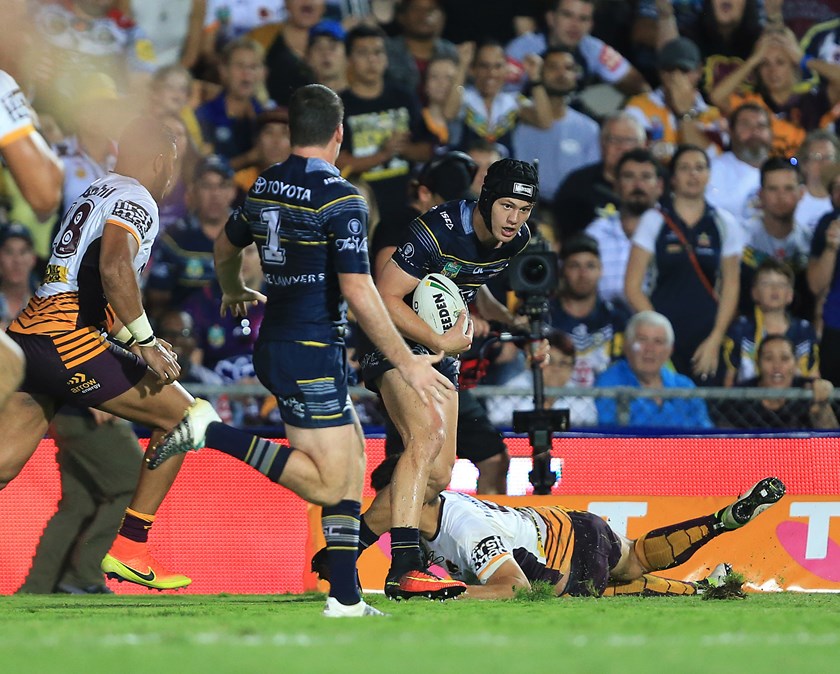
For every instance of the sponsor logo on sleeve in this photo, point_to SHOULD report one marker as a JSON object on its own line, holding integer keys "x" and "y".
{"x": 134, "y": 214}
{"x": 16, "y": 107}
{"x": 486, "y": 550}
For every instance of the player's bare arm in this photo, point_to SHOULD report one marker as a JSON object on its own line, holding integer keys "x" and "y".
{"x": 393, "y": 285}
{"x": 37, "y": 172}
{"x": 503, "y": 584}
{"x": 236, "y": 296}
{"x": 367, "y": 306}
{"x": 119, "y": 281}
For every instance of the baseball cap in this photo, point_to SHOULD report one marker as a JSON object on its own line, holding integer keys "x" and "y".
{"x": 582, "y": 243}
{"x": 679, "y": 54}
{"x": 15, "y": 230}
{"x": 327, "y": 28}
{"x": 213, "y": 163}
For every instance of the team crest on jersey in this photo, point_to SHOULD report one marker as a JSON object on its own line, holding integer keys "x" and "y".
{"x": 135, "y": 214}
{"x": 451, "y": 269}
{"x": 355, "y": 226}
{"x": 408, "y": 250}
{"x": 483, "y": 553}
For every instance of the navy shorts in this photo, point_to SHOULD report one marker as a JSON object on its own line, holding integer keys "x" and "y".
{"x": 374, "y": 364}
{"x": 102, "y": 377}
{"x": 597, "y": 550}
{"x": 308, "y": 380}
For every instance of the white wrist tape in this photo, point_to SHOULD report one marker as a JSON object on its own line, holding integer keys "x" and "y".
{"x": 141, "y": 330}
{"x": 15, "y": 115}
{"x": 124, "y": 337}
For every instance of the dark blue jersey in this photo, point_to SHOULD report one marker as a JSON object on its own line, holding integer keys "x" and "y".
{"x": 310, "y": 225}
{"x": 443, "y": 241}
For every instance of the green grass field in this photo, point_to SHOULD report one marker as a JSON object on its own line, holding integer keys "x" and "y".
{"x": 785, "y": 633}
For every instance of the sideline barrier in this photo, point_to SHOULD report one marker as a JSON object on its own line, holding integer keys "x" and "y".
{"x": 232, "y": 531}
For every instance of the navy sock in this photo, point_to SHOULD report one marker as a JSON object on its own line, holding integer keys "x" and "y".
{"x": 405, "y": 550}
{"x": 269, "y": 458}
{"x": 341, "y": 531}
{"x": 366, "y": 535}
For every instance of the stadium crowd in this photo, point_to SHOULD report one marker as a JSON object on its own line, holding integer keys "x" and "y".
{"x": 687, "y": 154}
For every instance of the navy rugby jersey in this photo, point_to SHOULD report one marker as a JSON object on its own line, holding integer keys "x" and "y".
{"x": 443, "y": 241}
{"x": 310, "y": 225}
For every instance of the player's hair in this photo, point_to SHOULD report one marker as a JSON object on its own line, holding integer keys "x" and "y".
{"x": 244, "y": 43}
{"x": 361, "y": 32}
{"x": 780, "y": 164}
{"x": 652, "y": 318}
{"x": 773, "y": 266}
{"x": 639, "y": 155}
{"x": 315, "y": 111}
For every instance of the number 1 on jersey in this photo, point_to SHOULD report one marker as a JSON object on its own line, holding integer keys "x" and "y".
{"x": 272, "y": 251}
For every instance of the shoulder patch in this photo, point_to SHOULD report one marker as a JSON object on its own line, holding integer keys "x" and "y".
{"x": 135, "y": 214}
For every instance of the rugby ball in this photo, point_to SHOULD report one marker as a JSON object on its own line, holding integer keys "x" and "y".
{"x": 438, "y": 302}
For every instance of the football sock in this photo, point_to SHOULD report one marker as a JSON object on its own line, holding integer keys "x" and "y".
{"x": 405, "y": 550}
{"x": 367, "y": 537}
{"x": 649, "y": 586}
{"x": 676, "y": 543}
{"x": 135, "y": 526}
{"x": 341, "y": 531}
{"x": 268, "y": 457}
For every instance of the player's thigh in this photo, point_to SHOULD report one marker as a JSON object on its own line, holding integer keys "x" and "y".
{"x": 420, "y": 425}
{"x": 150, "y": 403}
{"x": 24, "y": 420}
{"x": 629, "y": 567}
{"x": 338, "y": 449}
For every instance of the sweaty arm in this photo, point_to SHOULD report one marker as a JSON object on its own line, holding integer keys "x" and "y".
{"x": 503, "y": 584}
{"x": 119, "y": 280}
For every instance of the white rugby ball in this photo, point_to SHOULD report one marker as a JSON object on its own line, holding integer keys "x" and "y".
{"x": 438, "y": 302}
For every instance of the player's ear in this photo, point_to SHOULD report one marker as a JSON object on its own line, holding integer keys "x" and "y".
{"x": 339, "y": 134}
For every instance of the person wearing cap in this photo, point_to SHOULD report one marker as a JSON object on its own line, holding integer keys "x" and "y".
{"x": 675, "y": 112}
{"x": 183, "y": 256}
{"x": 824, "y": 275}
{"x": 595, "y": 325}
{"x": 470, "y": 243}
{"x": 326, "y": 56}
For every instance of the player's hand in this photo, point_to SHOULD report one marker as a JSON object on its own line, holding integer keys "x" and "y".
{"x": 162, "y": 360}
{"x": 425, "y": 379}
{"x": 238, "y": 302}
{"x": 704, "y": 362}
{"x": 458, "y": 338}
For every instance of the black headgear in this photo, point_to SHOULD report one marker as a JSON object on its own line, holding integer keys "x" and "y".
{"x": 449, "y": 175}
{"x": 508, "y": 178}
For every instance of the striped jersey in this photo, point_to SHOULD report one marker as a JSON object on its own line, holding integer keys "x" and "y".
{"x": 70, "y": 306}
{"x": 310, "y": 225}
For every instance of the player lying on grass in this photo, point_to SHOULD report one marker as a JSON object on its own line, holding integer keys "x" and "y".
{"x": 498, "y": 549}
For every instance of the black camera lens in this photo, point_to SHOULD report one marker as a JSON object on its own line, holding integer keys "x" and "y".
{"x": 534, "y": 272}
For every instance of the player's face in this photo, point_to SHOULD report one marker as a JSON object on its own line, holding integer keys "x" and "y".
{"x": 560, "y": 73}
{"x": 777, "y": 364}
{"x": 772, "y": 291}
{"x": 489, "y": 70}
{"x": 638, "y": 186}
{"x": 368, "y": 60}
{"x": 780, "y": 194}
{"x": 17, "y": 260}
{"x": 571, "y": 22}
{"x": 649, "y": 351}
{"x": 508, "y": 216}
{"x": 691, "y": 175}
{"x": 581, "y": 273}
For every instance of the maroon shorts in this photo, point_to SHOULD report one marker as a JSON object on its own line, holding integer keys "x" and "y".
{"x": 97, "y": 380}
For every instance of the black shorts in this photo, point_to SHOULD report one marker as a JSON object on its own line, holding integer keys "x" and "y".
{"x": 309, "y": 381}
{"x": 373, "y": 365}
{"x": 477, "y": 438}
{"x": 596, "y": 551}
{"x": 88, "y": 382}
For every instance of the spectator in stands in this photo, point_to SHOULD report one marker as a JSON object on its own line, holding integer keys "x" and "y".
{"x": 824, "y": 276}
{"x": 695, "y": 250}
{"x": 483, "y": 153}
{"x": 822, "y": 42}
{"x": 639, "y": 187}
{"x": 170, "y": 92}
{"x": 725, "y": 31}
{"x": 569, "y": 25}
{"x": 676, "y": 113}
{"x": 17, "y": 271}
{"x": 796, "y": 109}
{"x": 571, "y": 142}
{"x": 595, "y": 326}
{"x": 383, "y": 126}
{"x": 228, "y": 122}
{"x": 589, "y": 192}
{"x": 772, "y": 293}
{"x": 777, "y": 369}
{"x": 474, "y": 20}
{"x": 174, "y": 28}
{"x": 183, "y": 257}
{"x": 819, "y": 149}
{"x": 286, "y": 45}
{"x": 649, "y": 343}
{"x": 419, "y": 42}
{"x": 735, "y": 175}
{"x": 441, "y": 74}
{"x": 813, "y": 21}
{"x": 326, "y": 56}
{"x": 774, "y": 233}
{"x": 272, "y": 145}
{"x": 556, "y": 374}
{"x": 173, "y": 206}
{"x": 484, "y": 109}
